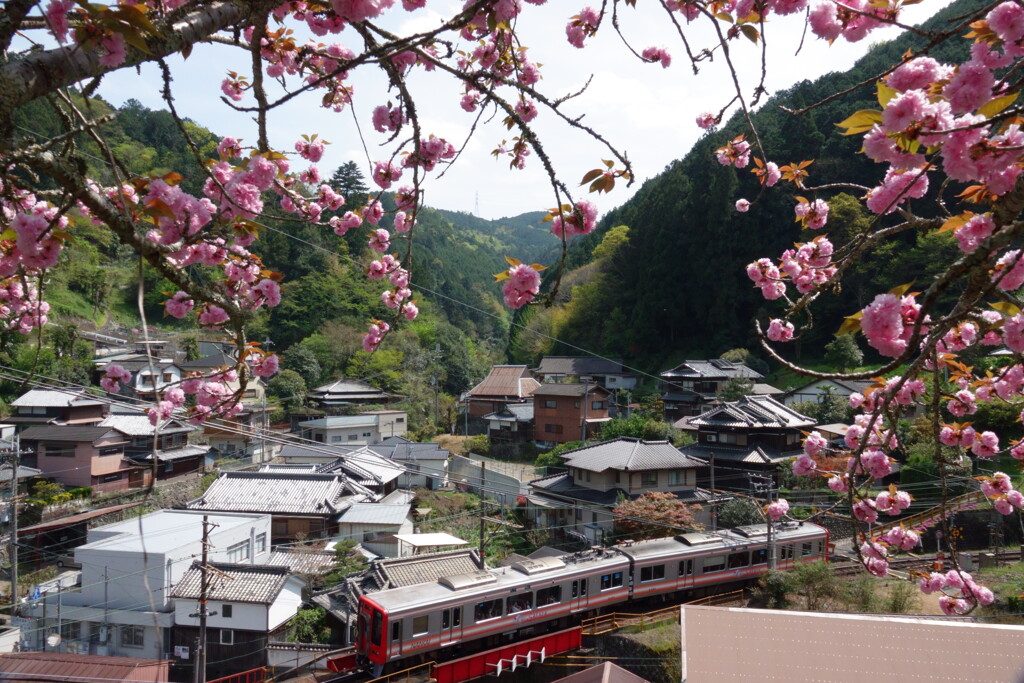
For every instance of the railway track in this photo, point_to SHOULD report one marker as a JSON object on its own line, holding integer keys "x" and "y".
{"x": 914, "y": 563}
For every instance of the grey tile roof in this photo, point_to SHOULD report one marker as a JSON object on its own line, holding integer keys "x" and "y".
{"x": 275, "y": 493}
{"x": 580, "y": 365}
{"x": 410, "y": 451}
{"x": 47, "y": 398}
{"x": 376, "y": 513}
{"x": 303, "y": 561}
{"x": 214, "y": 360}
{"x": 320, "y": 451}
{"x": 139, "y": 425}
{"x": 575, "y": 389}
{"x": 756, "y": 455}
{"x": 627, "y": 453}
{"x": 351, "y": 389}
{"x": 427, "y": 568}
{"x": 252, "y": 583}
{"x": 520, "y": 412}
{"x": 710, "y": 369}
{"x": 180, "y": 453}
{"x": 753, "y": 412}
{"x": 505, "y": 381}
{"x": 73, "y": 433}
{"x": 562, "y": 486}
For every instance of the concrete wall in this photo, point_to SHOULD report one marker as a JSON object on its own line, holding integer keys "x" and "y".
{"x": 464, "y": 472}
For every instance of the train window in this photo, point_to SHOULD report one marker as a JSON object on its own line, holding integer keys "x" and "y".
{"x": 575, "y": 588}
{"x": 760, "y": 556}
{"x": 737, "y": 560}
{"x": 609, "y": 581}
{"x": 519, "y": 603}
{"x": 786, "y": 552}
{"x": 396, "y": 631}
{"x": 583, "y": 587}
{"x": 655, "y": 573}
{"x": 686, "y": 568}
{"x": 549, "y": 596}
{"x": 445, "y": 619}
{"x": 377, "y": 627}
{"x": 714, "y": 564}
{"x": 420, "y": 625}
{"x": 491, "y": 609}
{"x": 805, "y": 549}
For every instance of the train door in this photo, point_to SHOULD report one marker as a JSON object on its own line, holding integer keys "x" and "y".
{"x": 395, "y": 638}
{"x": 578, "y": 594}
{"x": 451, "y": 625}
{"x": 686, "y": 574}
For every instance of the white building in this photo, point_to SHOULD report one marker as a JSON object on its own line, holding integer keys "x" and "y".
{"x": 121, "y": 603}
{"x": 355, "y": 430}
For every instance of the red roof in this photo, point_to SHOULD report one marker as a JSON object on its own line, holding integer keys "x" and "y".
{"x": 75, "y": 519}
{"x": 36, "y": 667}
{"x": 506, "y": 381}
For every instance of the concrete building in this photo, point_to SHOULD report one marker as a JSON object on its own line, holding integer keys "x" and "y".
{"x": 355, "y": 430}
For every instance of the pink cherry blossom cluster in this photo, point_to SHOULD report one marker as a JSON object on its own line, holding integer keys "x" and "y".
{"x": 777, "y": 509}
{"x": 888, "y": 323}
{"x": 956, "y": 582}
{"x": 812, "y": 215}
{"x": 901, "y": 538}
{"x": 657, "y": 54}
{"x": 999, "y": 489}
{"x": 736, "y": 153}
{"x": 572, "y": 221}
{"x": 875, "y": 556}
{"x": 582, "y": 26}
{"x": 521, "y": 286}
{"x": 375, "y": 334}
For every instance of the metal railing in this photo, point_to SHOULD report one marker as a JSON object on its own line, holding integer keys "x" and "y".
{"x": 420, "y": 672}
{"x": 605, "y": 623}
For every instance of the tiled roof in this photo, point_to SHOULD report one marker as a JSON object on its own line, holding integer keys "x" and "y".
{"x": 520, "y": 412}
{"x": 139, "y": 425}
{"x": 756, "y": 455}
{"x": 408, "y": 571}
{"x": 579, "y": 365}
{"x": 253, "y": 583}
{"x": 576, "y": 389}
{"x": 410, "y": 451}
{"x": 73, "y": 433}
{"x": 710, "y": 369}
{"x": 320, "y": 451}
{"x": 214, "y": 360}
{"x": 366, "y": 466}
{"x": 62, "y": 666}
{"x": 46, "y": 398}
{"x": 562, "y": 486}
{"x": 180, "y": 453}
{"x": 506, "y": 381}
{"x": 376, "y": 513}
{"x": 751, "y": 412}
{"x": 274, "y": 492}
{"x": 766, "y": 389}
{"x": 303, "y": 562}
{"x": 348, "y": 389}
{"x": 627, "y": 453}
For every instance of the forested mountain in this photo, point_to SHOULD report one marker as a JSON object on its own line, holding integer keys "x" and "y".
{"x": 671, "y": 283}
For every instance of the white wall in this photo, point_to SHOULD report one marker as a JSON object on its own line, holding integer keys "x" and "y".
{"x": 244, "y": 616}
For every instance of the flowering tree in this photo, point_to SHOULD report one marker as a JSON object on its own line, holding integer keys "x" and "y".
{"x": 653, "y": 515}
{"x": 947, "y": 134}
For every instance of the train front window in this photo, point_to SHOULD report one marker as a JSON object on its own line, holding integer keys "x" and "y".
{"x": 377, "y": 627}
{"x": 491, "y": 609}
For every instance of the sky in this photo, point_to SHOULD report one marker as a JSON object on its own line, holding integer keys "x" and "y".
{"x": 642, "y": 109}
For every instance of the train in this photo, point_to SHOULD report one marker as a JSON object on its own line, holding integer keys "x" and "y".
{"x": 489, "y": 607}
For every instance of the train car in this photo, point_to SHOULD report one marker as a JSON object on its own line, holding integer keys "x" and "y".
{"x": 483, "y": 607}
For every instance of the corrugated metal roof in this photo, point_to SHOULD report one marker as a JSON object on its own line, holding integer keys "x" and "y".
{"x": 252, "y": 583}
{"x": 506, "y": 381}
{"x": 73, "y": 433}
{"x": 710, "y": 369}
{"x": 576, "y": 389}
{"x": 753, "y": 412}
{"x": 47, "y": 398}
{"x": 139, "y": 425}
{"x": 22, "y": 667}
{"x": 376, "y": 513}
{"x": 273, "y": 492}
{"x": 627, "y": 453}
{"x": 580, "y": 365}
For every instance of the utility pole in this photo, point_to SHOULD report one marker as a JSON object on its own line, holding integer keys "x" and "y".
{"x": 762, "y": 483}
{"x": 203, "y": 613}
{"x": 14, "y": 459}
{"x": 583, "y": 429}
{"x": 714, "y": 498}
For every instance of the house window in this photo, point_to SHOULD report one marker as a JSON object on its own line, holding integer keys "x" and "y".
{"x": 649, "y": 478}
{"x": 618, "y": 477}
{"x": 239, "y": 552}
{"x": 676, "y": 477}
{"x": 367, "y": 434}
{"x": 60, "y": 450}
{"x": 575, "y": 404}
{"x": 712, "y": 437}
{"x": 335, "y": 439}
{"x": 115, "y": 476}
{"x": 112, "y": 450}
{"x": 133, "y": 636}
{"x": 71, "y": 630}
{"x": 420, "y": 625}
{"x": 353, "y": 437}
{"x": 550, "y": 404}
{"x": 261, "y": 542}
{"x": 597, "y": 405}
{"x": 226, "y": 610}
{"x": 553, "y": 429}
{"x": 401, "y": 419}
{"x": 227, "y": 636}
{"x": 609, "y": 581}
{"x": 655, "y": 573}
{"x": 588, "y": 475}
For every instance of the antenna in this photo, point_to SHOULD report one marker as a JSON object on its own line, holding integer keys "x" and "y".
{"x": 476, "y": 205}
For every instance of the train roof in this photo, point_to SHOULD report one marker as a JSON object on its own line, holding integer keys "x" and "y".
{"x": 695, "y": 542}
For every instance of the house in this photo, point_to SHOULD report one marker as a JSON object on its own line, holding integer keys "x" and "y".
{"x": 85, "y": 455}
{"x": 64, "y": 667}
{"x": 355, "y": 430}
{"x": 689, "y": 389}
{"x": 750, "y": 436}
{"x": 424, "y": 465}
{"x": 248, "y": 604}
{"x": 600, "y": 475}
{"x": 48, "y": 406}
{"x": 375, "y": 474}
{"x": 504, "y": 384}
{"x": 119, "y": 602}
{"x": 374, "y": 525}
{"x": 816, "y": 390}
{"x": 343, "y": 395}
{"x": 511, "y": 424}
{"x": 173, "y": 454}
{"x": 151, "y": 373}
{"x": 568, "y": 412}
{"x": 608, "y": 372}
{"x": 301, "y": 504}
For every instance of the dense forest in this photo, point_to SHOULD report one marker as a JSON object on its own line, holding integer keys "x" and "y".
{"x": 662, "y": 278}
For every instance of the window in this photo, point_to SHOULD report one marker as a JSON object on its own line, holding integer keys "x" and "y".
{"x": 71, "y": 630}
{"x": 676, "y": 477}
{"x": 579, "y": 514}
{"x": 738, "y": 560}
{"x": 226, "y": 610}
{"x": 353, "y": 437}
{"x": 786, "y": 552}
{"x": 597, "y": 405}
{"x": 618, "y": 477}
{"x": 686, "y": 568}
{"x": 805, "y": 549}
{"x": 760, "y": 556}
{"x": 114, "y": 476}
{"x": 575, "y": 404}
{"x": 227, "y": 636}
{"x": 420, "y": 625}
{"x": 261, "y": 542}
{"x": 490, "y": 609}
{"x": 553, "y": 429}
{"x": 549, "y": 596}
{"x": 714, "y": 564}
{"x": 593, "y": 515}
{"x": 112, "y": 450}
{"x": 550, "y": 404}
{"x": 712, "y": 437}
{"x": 400, "y": 420}
{"x": 377, "y": 627}
{"x": 451, "y": 617}
{"x": 367, "y": 434}
{"x": 609, "y": 581}
{"x": 655, "y": 573}
{"x": 519, "y": 603}
{"x": 336, "y": 438}
{"x": 133, "y": 636}
{"x": 396, "y": 631}
{"x": 239, "y": 552}
{"x": 59, "y": 450}
{"x": 649, "y": 478}
{"x": 588, "y": 475}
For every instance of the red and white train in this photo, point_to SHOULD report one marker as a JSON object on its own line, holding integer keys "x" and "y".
{"x": 488, "y": 607}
